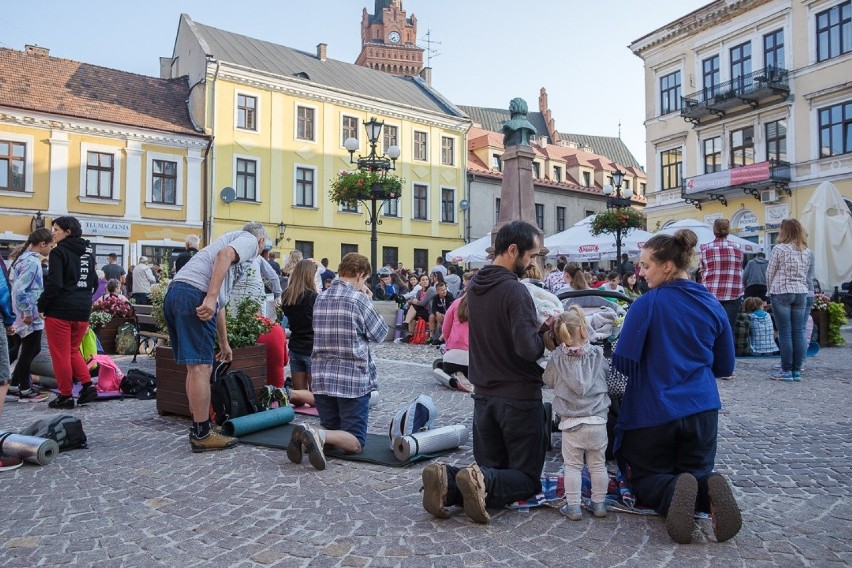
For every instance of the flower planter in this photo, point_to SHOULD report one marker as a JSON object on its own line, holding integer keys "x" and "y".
{"x": 106, "y": 333}
{"x": 820, "y": 318}
{"x": 171, "y": 377}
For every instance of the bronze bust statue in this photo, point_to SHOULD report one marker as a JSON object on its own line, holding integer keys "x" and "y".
{"x": 518, "y": 130}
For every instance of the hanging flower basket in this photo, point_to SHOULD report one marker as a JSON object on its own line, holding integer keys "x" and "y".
{"x": 350, "y": 187}
{"x": 612, "y": 220}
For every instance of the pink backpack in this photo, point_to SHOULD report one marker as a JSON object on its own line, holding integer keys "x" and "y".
{"x": 109, "y": 374}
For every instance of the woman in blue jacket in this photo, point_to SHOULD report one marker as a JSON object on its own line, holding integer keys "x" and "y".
{"x": 676, "y": 339}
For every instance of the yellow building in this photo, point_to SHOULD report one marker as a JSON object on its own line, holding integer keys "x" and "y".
{"x": 279, "y": 117}
{"x": 748, "y": 108}
{"x": 114, "y": 149}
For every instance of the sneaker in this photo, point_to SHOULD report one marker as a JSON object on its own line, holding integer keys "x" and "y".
{"x": 727, "y": 519}
{"x": 295, "y": 447}
{"x": 265, "y": 399}
{"x": 88, "y": 394}
{"x": 786, "y": 376}
{"x": 471, "y": 483}
{"x": 797, "y": 376}
{"x": 26, "y": 393}
{"x": 280, "y": 396}
{"x": 211, "y": 442}
{"x": 14, "y": 389}
{"x": 401, "y": 326}
{"x": 679, "y": 520}
{"x": 599, "y": 509}
{"x": 435, "y": 490}
{"x": 573, "y": 512}
{"x": 8, "y": 463}
{"x": 459, "y": 382}
{"x": 64, "y": 402}
{"x": 314, "y": 442}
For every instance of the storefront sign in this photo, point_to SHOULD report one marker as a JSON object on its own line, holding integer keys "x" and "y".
{"x": 728, "y": 178}
{"x": 106, "y": 228}
{"x": 747, "y": 222}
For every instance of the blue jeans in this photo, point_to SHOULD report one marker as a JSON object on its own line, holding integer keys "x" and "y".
{"x": 347, "y": 414}
{"x": 789, "y": 312}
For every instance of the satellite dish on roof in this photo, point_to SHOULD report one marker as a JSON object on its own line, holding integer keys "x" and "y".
{"x": 228, "y": 194}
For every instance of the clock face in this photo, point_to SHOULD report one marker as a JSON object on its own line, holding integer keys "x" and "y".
{"x": 393, "y": 37}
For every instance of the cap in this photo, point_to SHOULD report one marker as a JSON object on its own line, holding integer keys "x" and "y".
{"x": 385, "y": 271}
{"x": 267, "y": 246}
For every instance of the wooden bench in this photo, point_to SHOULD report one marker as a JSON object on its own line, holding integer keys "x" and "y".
{"x": 147, "y": 332}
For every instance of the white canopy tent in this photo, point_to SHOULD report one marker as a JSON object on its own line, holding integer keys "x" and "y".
{"x": 473, "y": 251}
{"x": 579, "y": 243}
{"x": 705, "y": 234}
{"x": 827, "y": 219}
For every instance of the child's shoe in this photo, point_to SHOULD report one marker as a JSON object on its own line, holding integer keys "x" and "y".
{"x": 265, "y": 397}
{"x": 573, "y": 512}
{"x": 786, "y": 376}
{"x": 63, "y": 402}
{"x": 598, "y": 509}
{"x": 87, "y": 394}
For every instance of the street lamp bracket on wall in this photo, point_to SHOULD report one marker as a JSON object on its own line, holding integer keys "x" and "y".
{"x": 37, "y": 222}
{"x": 281, "y": 229}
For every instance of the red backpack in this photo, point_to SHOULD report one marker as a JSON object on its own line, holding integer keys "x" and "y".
{"x": 421, "y": 333}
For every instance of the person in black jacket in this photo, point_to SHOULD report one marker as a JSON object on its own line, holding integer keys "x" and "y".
{"x": 191, "y": 244}
{"x": 66, "y": 304}
{"x": 297, "y": 304}
{"x": 509, "y": 419}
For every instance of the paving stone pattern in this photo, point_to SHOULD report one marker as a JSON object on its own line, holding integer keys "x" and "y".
{"x": 139, "y": 497}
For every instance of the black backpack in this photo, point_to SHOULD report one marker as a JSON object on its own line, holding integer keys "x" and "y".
{"x": 231, "y": 394}
{"x": 140, "y": 384}
{"x": 65, "y": 430}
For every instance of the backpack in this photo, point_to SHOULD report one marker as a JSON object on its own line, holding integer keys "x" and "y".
{"x": 415, "y": 417}
{"x": 126, "y": 341}
{"x": 421, "y": 333}
{"x": 65, "y": 430}
{"x": 231, "y": 394}
{"x": 109, "y": 374}
{"x": 140, "y": 384}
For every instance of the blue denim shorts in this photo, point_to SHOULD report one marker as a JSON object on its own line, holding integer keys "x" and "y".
{"x": 191, "y": 339}
{"x": 347, "y": 414}
{"x": 300, "y": 363}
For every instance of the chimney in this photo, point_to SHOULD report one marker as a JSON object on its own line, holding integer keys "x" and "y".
{"x": 165, "y": 68}
{"x": 37, "y": 51}
{"x": 322, "y": 51}
{"x": 426, "y": 75}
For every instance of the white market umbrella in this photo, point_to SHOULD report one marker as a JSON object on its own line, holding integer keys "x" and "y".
{"x": 471, "y": 252}
{"x": 827, "y": 219}
{"x": 579, "y": 242}
{"x": 705, "y": 235}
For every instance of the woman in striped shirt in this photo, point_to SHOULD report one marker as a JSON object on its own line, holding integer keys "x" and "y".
{"x": 786, "y": 278}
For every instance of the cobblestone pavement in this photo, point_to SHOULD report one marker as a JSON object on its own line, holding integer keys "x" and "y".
{"x": 138, "y": 497}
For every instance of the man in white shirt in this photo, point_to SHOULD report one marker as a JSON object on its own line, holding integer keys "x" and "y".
{"x": 143, "y": 277}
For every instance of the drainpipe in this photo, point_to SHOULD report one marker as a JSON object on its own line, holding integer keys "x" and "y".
{"x": 207, "y": 193}
{"x": 208, "y": 229}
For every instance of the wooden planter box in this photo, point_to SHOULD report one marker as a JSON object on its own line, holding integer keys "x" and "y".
{"x": 171, "y": 377}
{"x": 106, "y": 333}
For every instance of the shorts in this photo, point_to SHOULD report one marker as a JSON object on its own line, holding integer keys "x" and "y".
{"x": 5, "y": 368}
{"x": 300, "y": 363}
{"x": 347, "y": 414}
{"x": 191, "y": 339}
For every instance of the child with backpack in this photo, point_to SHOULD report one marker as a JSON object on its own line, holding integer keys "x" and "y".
{"x": 577, "y": 373}
{"x": 761, "y": 335}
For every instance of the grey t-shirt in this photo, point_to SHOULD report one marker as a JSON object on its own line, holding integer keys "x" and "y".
{"x": 199, "y": 270}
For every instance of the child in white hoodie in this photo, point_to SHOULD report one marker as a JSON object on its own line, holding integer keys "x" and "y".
{"x": 577, "y": 372}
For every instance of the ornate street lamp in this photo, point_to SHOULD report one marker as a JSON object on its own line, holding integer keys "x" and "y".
{"x": 617, "y": 201}
{"x": 374, "y": 162}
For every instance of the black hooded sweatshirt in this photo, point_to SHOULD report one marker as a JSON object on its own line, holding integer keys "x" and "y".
{"x": 505, "y": 342}
{"x": 71, "y": 281}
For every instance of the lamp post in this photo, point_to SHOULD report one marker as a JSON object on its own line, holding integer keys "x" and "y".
{"x": 615, "y": 200}
{"x": 373, "y": 162}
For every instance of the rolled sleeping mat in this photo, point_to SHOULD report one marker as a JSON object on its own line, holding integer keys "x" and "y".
{"x": 258, "y": 421}
{"x": 32, "y": 449}
{"x": 430, "y": 441}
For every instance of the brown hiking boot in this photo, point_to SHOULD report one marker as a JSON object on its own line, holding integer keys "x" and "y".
{"x": 211, "y": 442}
{"x": 680, "y": 521}
{"x": 727, "y": 519}
{"x": 471, "y": 483}
{"x": 435, "y": 490}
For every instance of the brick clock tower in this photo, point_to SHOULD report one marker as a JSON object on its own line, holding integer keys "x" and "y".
{"x": 389, "y": 40}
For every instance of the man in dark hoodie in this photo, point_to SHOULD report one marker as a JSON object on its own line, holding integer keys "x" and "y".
{"x": 754, "y": 277}
{"x": 509, "y": 420}
{"x": 66, "y": 304}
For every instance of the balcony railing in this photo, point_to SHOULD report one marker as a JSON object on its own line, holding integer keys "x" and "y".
{"x": 748, "y": 89}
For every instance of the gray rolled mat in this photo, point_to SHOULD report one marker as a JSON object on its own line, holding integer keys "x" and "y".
{"x": 40, "y": 451}
{"x": 258, "y": 421}
{"x": 430, "y": 441}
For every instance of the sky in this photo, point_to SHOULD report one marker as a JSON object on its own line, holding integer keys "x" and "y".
{"x": 490, "y": 51}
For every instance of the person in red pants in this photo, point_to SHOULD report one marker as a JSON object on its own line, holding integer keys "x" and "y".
{"x": 66, "y": 304}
